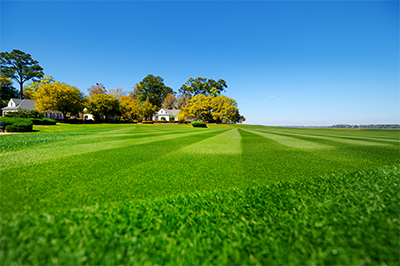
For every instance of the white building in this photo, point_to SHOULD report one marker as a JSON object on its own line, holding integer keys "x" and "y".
{"x": 166, "y": 113}
{"x": 14, "y": 105}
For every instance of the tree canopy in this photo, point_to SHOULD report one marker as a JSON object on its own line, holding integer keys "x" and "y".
{"x": 103, "y": 106}
{"x": 130, "y": 108}
{"x": 7, "y": 91}
{"x": 147, "y": 109}
{"x": 60, "y": 97}
{"x": 20, "y": 67}
{"x": 31, "y": 88}
{"x": 219, "y": 109}
{"x": 97, "y": 89}
{"x": 153, "y": 89}
{"x": 203, "y": 86}
{"x": 170, "y": 102}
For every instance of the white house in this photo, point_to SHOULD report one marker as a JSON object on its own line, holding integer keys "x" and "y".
{"x": 14, "y": 105}
{"x": 166, "y": 113}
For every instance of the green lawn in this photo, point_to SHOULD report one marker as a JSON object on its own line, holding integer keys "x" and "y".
{"x": 177, "y": 195}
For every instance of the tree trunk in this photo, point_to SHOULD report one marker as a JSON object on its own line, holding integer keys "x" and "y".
{"x": 21, "y": 96}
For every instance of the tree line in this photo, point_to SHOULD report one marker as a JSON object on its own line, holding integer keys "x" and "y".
{"x": 198, "y": 99}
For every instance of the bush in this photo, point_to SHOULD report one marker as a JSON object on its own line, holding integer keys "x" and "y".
{"x": 43, "y": 121}
{"x": 199, "y": 124}
{"x": 25, "y": 114}
{"x": 12, "y": 120}
{"x": 183, "y": 121}
{"x": 147, "y": 122}
{"x": 20, "y": 126}
{"x": 163, "y": 119}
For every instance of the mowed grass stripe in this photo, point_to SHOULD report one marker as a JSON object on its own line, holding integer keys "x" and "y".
{"x": 225, "y": 143}
{"x": 348, "y": 140}
{"x": 52, "y": 151}
{"x": 290, "y": 141}
{"x": 125, "y": 173}
{"x": 348, "y": 219}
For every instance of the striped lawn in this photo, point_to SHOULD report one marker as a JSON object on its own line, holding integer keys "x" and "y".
{"x": 145, "y": 161}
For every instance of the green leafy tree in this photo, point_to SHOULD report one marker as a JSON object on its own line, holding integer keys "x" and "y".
{"x": 103, "y": 106}
{"x": 20, "y": 67}
{"x": 60, "y": 97}
{"x": 154, "y": 90}
{"x": 7, "y": 91}
{"x": 203, "y": 86}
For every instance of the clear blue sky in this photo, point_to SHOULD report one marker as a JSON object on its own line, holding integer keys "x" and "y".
{"x": 285, "y": 63}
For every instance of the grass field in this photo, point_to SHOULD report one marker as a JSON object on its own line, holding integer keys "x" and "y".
{"x": 177, "y": 195}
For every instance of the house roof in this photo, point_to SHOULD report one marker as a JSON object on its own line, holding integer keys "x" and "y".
{"x": 168, "y": 112}
{"x": 25, "y": 104}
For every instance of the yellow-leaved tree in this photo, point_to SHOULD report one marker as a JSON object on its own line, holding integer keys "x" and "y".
{"x": 147, "y": 109}
{"x": 31, "y": 88}
{"x": 218, "y": 109}
{"x": 60, "y": 97}
{"x": 170, "y": 102}
{"x": 130, "y": 108}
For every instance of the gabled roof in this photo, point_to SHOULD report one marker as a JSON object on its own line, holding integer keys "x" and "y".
{"x": 16, "y": 101}
{"x": 170, "y": 112}
{"x": 25, "y": 104}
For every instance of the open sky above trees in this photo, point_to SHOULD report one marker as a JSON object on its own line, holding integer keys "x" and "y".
{"x": 285, "y": 63}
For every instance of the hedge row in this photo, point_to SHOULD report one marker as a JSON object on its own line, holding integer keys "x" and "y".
{"x": 43, "y": 121}
{"x": 198, "y": 124}
{"x": 16, "y": 124}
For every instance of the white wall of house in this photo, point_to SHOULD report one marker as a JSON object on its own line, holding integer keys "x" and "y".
{"x": 166, "y": 114}
{"x": 53, "y": 115}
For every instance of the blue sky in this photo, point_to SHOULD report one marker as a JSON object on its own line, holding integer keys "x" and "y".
{"x": 303, "y": 63}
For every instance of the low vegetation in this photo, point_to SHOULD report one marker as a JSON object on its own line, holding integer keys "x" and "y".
{"x": 16, "y": 124}
{"x": 174, "y": 195}
{"x": 199, "y": 124}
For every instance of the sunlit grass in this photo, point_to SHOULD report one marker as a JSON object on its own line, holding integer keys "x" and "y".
{"x": 172, "y": 194}
{"x": 346, "y": 219}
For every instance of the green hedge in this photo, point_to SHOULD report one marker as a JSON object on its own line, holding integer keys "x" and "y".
{"x": 43, "y": 121}
{"x": 16, "y": 124}
{"x": 199, "y": 124}
{"x": 20, "y": 127}
{"x": 147, "y": 122}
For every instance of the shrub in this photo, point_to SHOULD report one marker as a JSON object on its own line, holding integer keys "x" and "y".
{"x": 43, "y": 121}
{"x": 171, "y": 118}
{"x": 25, "y": 114}
{"x": 35, "y": 114}
{"x": 20, "y": 126}
{"x": 163, "y": 119}
{"x": 147, "y": 122}
{"x": 199, "y": 124}
{"x": 48, "y": 121}
{"x": 12, "y": 120}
